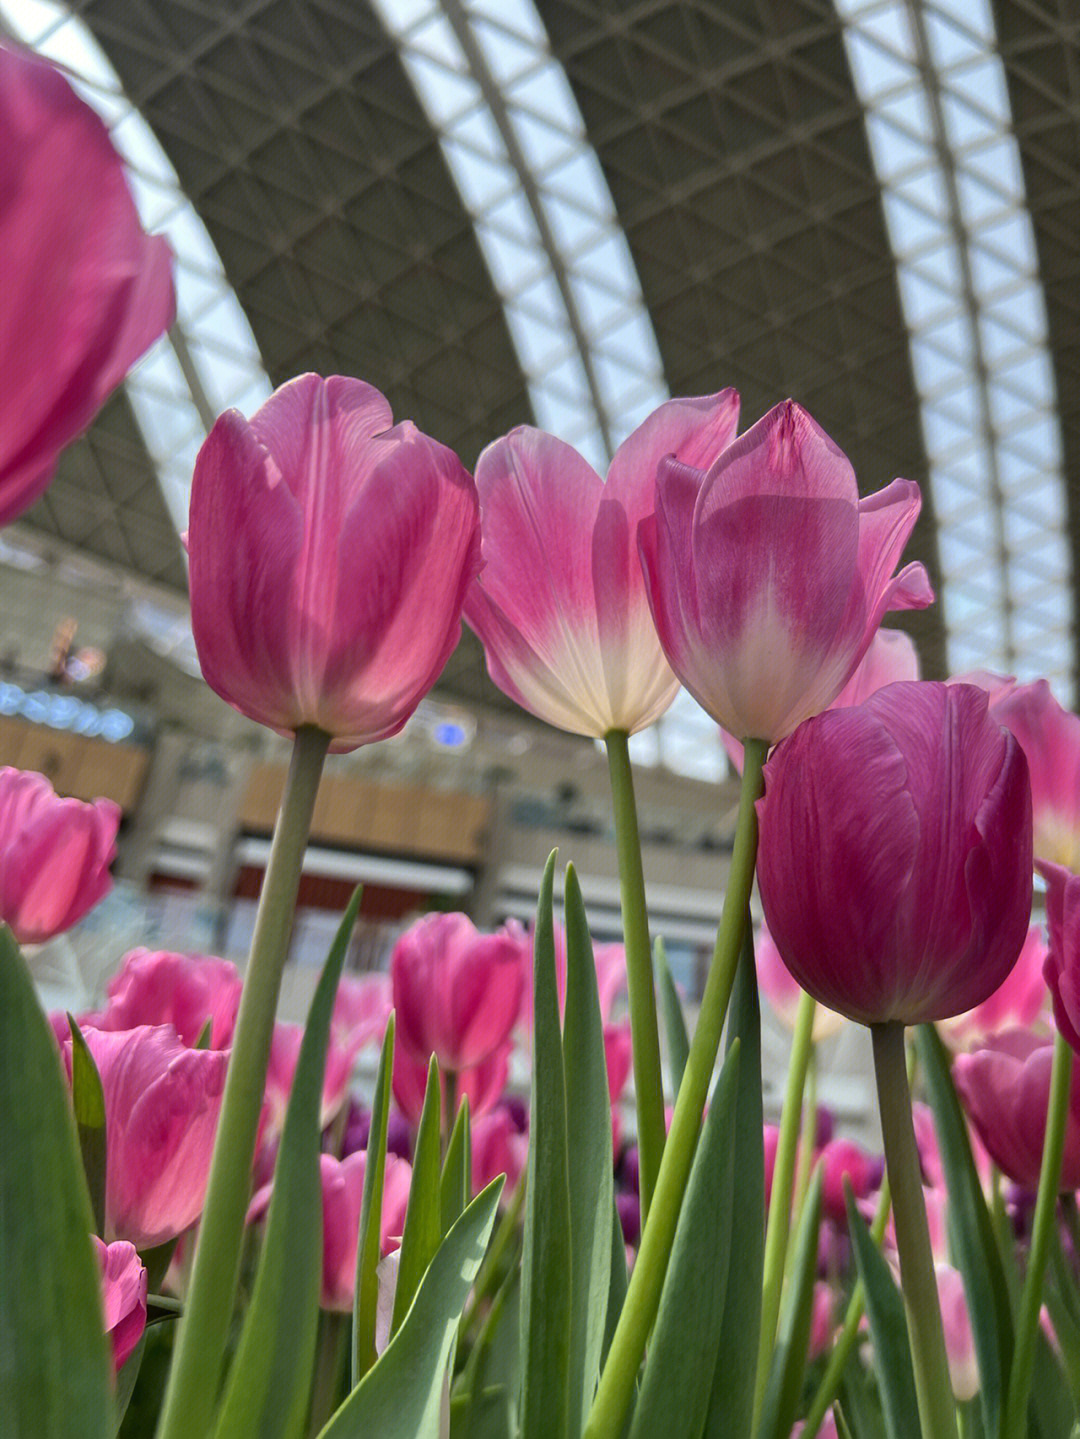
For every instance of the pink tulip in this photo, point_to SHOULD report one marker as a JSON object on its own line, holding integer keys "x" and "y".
{"x": 822, "y": 1320}
{"x": 1050, "y": 738}
{"x": 828, "y": 1428}
{"x": 619, "y": 1057}
{"x": 281, "y": 1071}
{"x": 1061, "y": 969}
{"x": 1017, "y": 1003}
{"x": 54, "y": 853}
{"x": 768, "y": 576}
{"x": 184, "y": 990}
{"x": 498, "y": 1147}
{"x": 342, "y": 1197}
{"x": 561, "y": 605}
{"x": 892, "y": 656}
{"x": 610, "y": 962}
{"x": 330, "y": 556}
{"x": 895, "y": 854}
{"x": 1005, "y": 1089}
{"x": 483, "y": 1085}
{"x": 844, "y": 1159}
{"x": 161, "y": 1111}
{"x": 784, "y": 992}
{"x": 86, "y": 291}
{"x": 362, "y": 1006}
{"x": 457, "y": 993}
{"x": 959, "y": 1339}
{"x": 123, "y": 1296}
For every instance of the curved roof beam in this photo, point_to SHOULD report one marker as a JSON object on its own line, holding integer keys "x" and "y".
{"x": 939, "y": 123}
{"x": 209, "y": 360}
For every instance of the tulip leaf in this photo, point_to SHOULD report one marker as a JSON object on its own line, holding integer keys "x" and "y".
{"x": 423, "y": 1216}
{"x": 88, "y": 1101}
{"x": 677, "y": 1382}
{"x": 369, "y": 1244}
{"x": 56, "y": 1369}
{"x": 617, "y": 1282}
{"x": 1068, "y": 1338}
{"x": 401, "y": 1396}
{"x": 678, "y": 1041}
{"x": 546, "y": 1281}
{"x": 971, "y": 1231}
{"x": 588, "y": 1139}
{"x": 456, "y": 1177}
{"x": 789, "y": 1360}
{"x": 888, "y": 1329}
{"x": 1050, "y": 1408}
{"x": 732, "y": 1402}
{"x": 494, "y": 1363}
{"x": 270, "y": 1377}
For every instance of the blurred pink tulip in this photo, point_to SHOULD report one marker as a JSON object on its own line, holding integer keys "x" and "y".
{"x": 822, "y": 1320}
{"x": 768, "y": 576}
{"x": 619, "y": 1057}
{"x": 483, "y": 1085}
{"x": 1017, "y": 1003}
{"x": 560, "y": 604}
{"x": 330, "y": 556}
{"x": 784, "y": 992}
{"x": 362, "y": 1006}
{"x": 281, "y": 1071}
{"x": 892, "y": 656}
{"x": 123, "y": 1296}
{"x": 342, "y": 1196}
{"x": 1005, "y": 1089}
{"x": 895, "y": 854}
{"x": 828, "y": 1428}
{"x": 1062, "y": 967}
{"x": 162, "y": 1102}
{"x": 959, "y": 1339}
{"x": 184, "y": 990}
{"x": 457, "y": 993}
{"x": 1050, "y": 737}
{"x": 54, "y": 855}
{"x": 86, "y": 290}
{"x": 842, "y": 1159}
{"x": 498, "y": 1147}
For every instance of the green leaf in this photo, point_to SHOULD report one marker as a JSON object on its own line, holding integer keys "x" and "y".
{"x": 971, "y": 1231}
{"x": 55, "y": 1374}
{"x": 731, "y": 1405}
{"x": 617, "y": 1282}
{"x": 546, "y": 1281}
{"x": 423, "y": 1216}
{"x": 1068, "y": 1337}
{"x": 270, "y": 1377}
{"x": 401, "y": 1396}
{"x": 494, "y": 1364}
{"x": 588, "y": 1139}
{"x": 789, "y": 1360}
{"x": 678, "y": 1041}
{"x": 842, "y": 1429}
{"x": 1050, "y": 1409}
{"x": 682, "y": 1356}
{"x": 88, "y": 1102}
{"x": 888, "y": 1329}
{"x": 369, "y": 1245}
{"x": 456, "y": 1176}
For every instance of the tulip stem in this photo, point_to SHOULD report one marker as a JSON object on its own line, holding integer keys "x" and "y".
{"x": 1027, "y": 1322}
{"x": 849, "y": 1333}
{"x": 195, "y": 1373}
{"x": 807, "y": 1144}
{"x": 779, "y": 1223}
{"x": 644, "y": 1030}
{"x": 615, "y": 1391}
{"x": 328, "y": 1383}
{"x": 933, "y": 1388}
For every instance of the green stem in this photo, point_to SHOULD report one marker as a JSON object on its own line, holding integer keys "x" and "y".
{"x": 616, "y": 1387}
{"x": 933, "y": 1388}
{"x": 1027, "y": 1322}
{"x": 779, "y": 1223}
{"x": 807, "y": 1140}
{"x": 200, "y": 1345}
{"x": 849, "y": 1333}
{"x": 329, "y": 1368}
{"x": 644, "y": 1031}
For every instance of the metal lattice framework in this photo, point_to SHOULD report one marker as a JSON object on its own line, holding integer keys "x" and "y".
{"x": 503, "y": 212}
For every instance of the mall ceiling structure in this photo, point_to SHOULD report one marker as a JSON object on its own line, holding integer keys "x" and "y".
{"x": 561, "y": 211}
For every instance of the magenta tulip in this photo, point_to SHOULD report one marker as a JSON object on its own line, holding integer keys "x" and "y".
{"x": 560, "y": 604}
{"x": 1061, "y": 969}
{"x": 498, "y": 1147}
{"x": 162, "y": 1101}
{"x": 1005, "y": 1089}
{"x": 618, "y": 1056}
{"x": 895, "y": 854}
{"x": 842, "y": 1159}
{"x": 457, "y": 993}
{"x": 768, "y": 576}
{"x": 86, "y": 291}
{"x": 184, "y": 990}
{"x": 123, "y": 1296}
{"x": 54, "y": 856}
{"x": 483, "y": 1085}
{"x": 1050, "y": 737}
{"x": 330, "y": 555}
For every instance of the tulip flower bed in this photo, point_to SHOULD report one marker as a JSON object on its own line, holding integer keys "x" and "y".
{"x": 203, "y": 1233}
